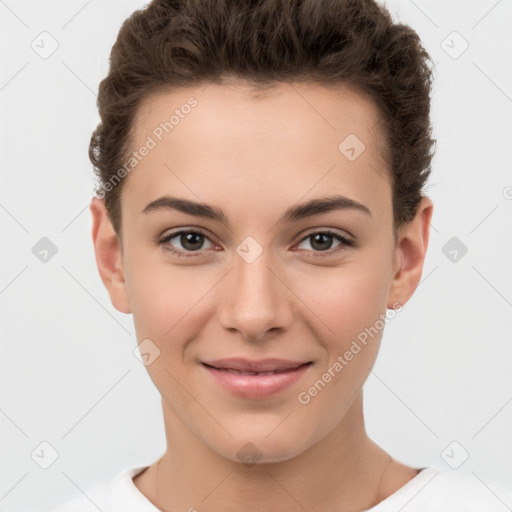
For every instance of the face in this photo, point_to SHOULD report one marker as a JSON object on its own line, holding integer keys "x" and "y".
{"x": 236, "y": 279}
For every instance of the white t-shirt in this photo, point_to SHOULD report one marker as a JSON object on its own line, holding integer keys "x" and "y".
{"x": 432, "y": 490}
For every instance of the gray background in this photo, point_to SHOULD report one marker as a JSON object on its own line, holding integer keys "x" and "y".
{"x": 68, "y": 375}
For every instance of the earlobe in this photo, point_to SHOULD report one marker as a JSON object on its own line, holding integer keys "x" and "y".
{"x": 411, "y": 250}
{"x": 108, "y": 256}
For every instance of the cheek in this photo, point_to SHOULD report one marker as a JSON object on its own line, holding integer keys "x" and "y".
{"x": 160, "y": 294}
{"x": 345, "y": 299}
{"x": 351, "y": 303}
{"x": 171, "y": 304}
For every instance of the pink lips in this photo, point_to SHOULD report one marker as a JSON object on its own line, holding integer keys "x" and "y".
{"x": 256, "y": 379}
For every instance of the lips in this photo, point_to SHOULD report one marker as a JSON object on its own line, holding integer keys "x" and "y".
{"x": 240, "y": 372}
{"x": 255, "y": 379}
{"x": 248, "y": 367}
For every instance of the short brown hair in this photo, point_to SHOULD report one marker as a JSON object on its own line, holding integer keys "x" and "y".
{"x": 179, "y": 43}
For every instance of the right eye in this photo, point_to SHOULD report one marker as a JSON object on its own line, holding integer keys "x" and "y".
{"x": 191, "y": 241}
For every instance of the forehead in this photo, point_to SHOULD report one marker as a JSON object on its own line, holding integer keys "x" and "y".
{"x": 290, "y": 137}
{"x": 260, "y": 111}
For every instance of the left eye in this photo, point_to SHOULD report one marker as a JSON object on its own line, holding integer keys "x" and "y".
{"x": 322, "y": 241}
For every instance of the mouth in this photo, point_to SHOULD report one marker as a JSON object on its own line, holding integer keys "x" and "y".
{"x": 256, "y": 379}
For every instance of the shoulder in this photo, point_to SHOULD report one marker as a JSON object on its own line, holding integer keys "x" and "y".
{"x": 468, "y": 485}
{"x": 119, "y": 493}
{"x": 438, "y": 490}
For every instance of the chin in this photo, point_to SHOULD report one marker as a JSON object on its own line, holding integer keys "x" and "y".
{"x": 253, "y": 450}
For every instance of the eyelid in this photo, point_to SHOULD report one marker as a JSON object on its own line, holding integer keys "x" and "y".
{"x": 330, "y": 231}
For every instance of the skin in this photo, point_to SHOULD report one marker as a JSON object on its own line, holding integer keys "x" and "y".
{"x": 253, "y": 157}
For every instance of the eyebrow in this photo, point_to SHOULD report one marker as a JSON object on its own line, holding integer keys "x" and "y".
{"x": 293, "y": 214}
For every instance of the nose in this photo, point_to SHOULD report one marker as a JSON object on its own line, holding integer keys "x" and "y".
{"x": 256, "y": 299}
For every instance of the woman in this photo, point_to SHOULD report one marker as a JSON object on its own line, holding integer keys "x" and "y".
{"x": 259, "y": 211}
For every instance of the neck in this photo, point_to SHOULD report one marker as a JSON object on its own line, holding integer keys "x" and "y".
{"x": 342, "y": 471}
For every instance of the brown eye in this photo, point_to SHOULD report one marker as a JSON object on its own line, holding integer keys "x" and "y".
{"x": 189, "y": 240}
{"x": 322, "y": 241}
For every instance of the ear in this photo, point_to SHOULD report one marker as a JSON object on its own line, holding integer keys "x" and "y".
{"x": 411, "y": 250}
{"x": 109, "y": 256}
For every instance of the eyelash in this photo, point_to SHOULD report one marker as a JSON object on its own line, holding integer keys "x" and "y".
{"x": 181, "y": 254}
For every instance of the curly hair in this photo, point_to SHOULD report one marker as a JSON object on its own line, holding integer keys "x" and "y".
{"x": 172, "y": 44}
